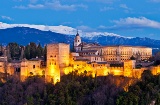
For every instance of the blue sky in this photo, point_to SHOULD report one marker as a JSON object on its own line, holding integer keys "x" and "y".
{"x": 134, "y": 18}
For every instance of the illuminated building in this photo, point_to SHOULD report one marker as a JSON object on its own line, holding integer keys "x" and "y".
{"x": 114, "y": 53}
{"x": 31, "y": 67}
{"x": 57, "y": 59}
{"x": 90, "y": 58}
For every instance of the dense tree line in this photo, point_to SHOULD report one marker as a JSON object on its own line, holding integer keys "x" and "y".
{"x": 144, "y": 92}
{"x": 32, "y": 50}
{"x": 72, "y": 90}
{"x": 79, "y": 89}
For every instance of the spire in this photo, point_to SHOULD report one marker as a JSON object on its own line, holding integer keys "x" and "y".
{"x": 77, "y": 33}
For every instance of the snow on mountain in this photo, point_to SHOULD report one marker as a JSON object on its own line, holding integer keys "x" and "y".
{"x": 91, "y": 34}
{"x": 60, "y": 29}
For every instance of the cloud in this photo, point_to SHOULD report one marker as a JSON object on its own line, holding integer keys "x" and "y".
{"x": 17, "y": 0}
{"x": 102, "y": 27}
{"x": 106, "y": 8}
{"x": 85, "y": 28}
{"x": 37, "y": 6}
{"x": 6, "y": 18}
{"x": 140, "y": 22}
{"x": 33, "y": 1}
{"x": 30, "y": 6}
{"x": 53, "y": 5}
{"x": 123, "y": 6}
{"x": 101, "y": 1}
{"x": 155, "y": 0}
{"x": 20, "y": 7}
{"x": 58, "y": 6}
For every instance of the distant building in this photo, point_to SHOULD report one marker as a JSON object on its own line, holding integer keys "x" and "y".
{"x": 113, "y": 54}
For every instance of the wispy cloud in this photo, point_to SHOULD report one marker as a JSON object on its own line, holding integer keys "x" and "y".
{"x": 124, "y": 6}
{"x": 6, "y": 18}
{"x": 53, "y": 5}
{"x": 85, "y": 28}
{"x": 17, "y": 0}
{"x": 155, "y": 0}
{"x": 37, "y": 6}
{"x": 101, "y": 1}
{"x": 140, "y": 22}
{"x": 101, "y": 27}
{"x": 58, "y": 6}
{"x": 20, "y": 7}
{"x": 106, "y": 8}
{"x": 33, "y": 1}
{"x": 30, "y": 6}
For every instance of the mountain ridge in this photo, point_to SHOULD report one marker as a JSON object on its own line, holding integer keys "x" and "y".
{"x": 24, "y": 32}
{"x": 25, "y": 35}
{"x": 59, "y": 29}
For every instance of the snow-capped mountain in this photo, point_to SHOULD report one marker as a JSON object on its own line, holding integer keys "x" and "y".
{"x": 24, "y": 33}
{"x": 60, "y": 29}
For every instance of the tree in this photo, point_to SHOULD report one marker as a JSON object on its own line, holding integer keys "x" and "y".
{"x": 33, "y": 48}
{"x": 147, "y": 76}
{"x": 45, "y": 53}
{"x": 15, "y": 50}
{"x": 39, "y": 51}
{"x": 27, "y": 52}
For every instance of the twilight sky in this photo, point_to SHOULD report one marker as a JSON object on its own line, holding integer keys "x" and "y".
{"x": 129, "y": 18}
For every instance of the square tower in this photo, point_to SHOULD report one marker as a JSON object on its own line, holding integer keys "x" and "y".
{"x": 57, "y": 58}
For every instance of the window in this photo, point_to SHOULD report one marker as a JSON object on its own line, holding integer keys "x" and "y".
{"x": 34, "y": 66}
{"x": 18, "y": 70}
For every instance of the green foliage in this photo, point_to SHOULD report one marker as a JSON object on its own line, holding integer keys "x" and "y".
{"x": 143, "y": 92}
{"x": 39, "y": 51}
{"x": 27, "y": 52}
{"x": 72, "y": 90}
{"x": 15, "y": 50}
{"x": 30, "y": 51}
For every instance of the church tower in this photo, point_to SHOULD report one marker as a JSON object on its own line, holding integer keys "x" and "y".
{"x": 77, "y": 42}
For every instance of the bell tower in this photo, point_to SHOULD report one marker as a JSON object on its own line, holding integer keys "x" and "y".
{"x": 77, "y": 42}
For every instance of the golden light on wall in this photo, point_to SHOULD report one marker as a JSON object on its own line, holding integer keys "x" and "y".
{"x": 106, "y": 72}
{"x": 52, "y": 69}
{"x": 67, "y": 70}
{"x": 117, "y": 72}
